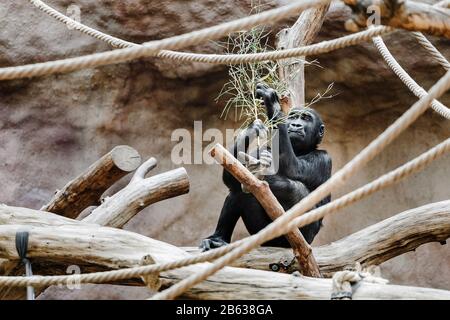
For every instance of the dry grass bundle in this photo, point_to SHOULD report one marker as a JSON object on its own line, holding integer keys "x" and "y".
{"x": 239, "y": 91}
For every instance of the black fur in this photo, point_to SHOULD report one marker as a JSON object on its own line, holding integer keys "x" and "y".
{"x": 302, "y": 168}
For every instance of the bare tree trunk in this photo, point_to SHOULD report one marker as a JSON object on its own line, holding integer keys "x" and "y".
{"x": 302, "y": 33}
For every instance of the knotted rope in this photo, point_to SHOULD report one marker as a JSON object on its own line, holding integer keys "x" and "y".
{"x": 344, "y": 280}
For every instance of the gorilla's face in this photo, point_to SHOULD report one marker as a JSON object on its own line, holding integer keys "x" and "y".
{"x": 305, "y": 129}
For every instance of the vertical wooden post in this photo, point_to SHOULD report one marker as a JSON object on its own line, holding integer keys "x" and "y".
{"x": 303, "y": 32}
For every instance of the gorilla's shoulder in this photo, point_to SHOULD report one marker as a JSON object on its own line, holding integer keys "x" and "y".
{"x": 323, "y": 153}
{"x": 325, "y": 156}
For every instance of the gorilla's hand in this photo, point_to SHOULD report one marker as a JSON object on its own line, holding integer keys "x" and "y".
{"x": 255, "y": 165}
{"x": 250, "y": 138}
{"x": 253, "y": 131}
{"x": 270, "y": 98}
{"x": 212, "y": 243}
{"x": 258, "y": 167}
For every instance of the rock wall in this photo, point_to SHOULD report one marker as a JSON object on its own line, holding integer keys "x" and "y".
{"x": 53, "y": 127}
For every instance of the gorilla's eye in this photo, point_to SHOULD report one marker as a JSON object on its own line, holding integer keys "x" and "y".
{"x": 293, "y": 116}
{"x": 306, "y": 117}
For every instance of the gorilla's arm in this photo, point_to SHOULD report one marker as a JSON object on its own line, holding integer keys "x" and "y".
{"x": 312, "y": 169}
{"x": 287, "y": 158}
{"x": 241, "y": 144}
{"x": 228, "y": 179}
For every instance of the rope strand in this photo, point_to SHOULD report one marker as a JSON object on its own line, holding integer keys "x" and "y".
{"x": 153, "y": 47}
{"x": 425, "y": 43}
{"x": 228, "y": 59}
{"x": 406, "y": 78}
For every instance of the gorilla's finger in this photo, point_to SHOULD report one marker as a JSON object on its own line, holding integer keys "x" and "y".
{"x": 262, "y": 86}
{"x": 260, "y": 94}
{"x": 243, "y": 155}
{"x": 266, "y": 153}
{"x": 248, "y": 158}
{"x": 259, "y": 125}
{"x": 266, "y": 162}
{"x": 217, "y": 244}
{"x": 253, "y": 168}
{"x": 205, "y": 245}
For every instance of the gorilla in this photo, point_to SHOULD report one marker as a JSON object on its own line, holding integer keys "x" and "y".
{"x": 301, "y": 169}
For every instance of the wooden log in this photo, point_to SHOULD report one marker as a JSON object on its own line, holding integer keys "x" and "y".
{"x": 408, "y": 15}
{"x": 260, "y": 189}
{"x": 86, "y": 189}
{"x": 117, "y": 210}
{"x": 373, "y": 245}
{"x": 57, "y": 239}
{"x": 302, "y": 33}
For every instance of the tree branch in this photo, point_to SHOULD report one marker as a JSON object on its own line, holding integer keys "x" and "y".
{"x": 408, "y": 15}
{"x": 373, "y": 245}
{"x": 117, "y": 210}
{"x": 86, "y": 189}
{"x": 292, "y": 71}
{"x": 143, "y": 169}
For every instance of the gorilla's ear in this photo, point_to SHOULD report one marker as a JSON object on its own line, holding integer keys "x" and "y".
{"x": 321, "y": 130}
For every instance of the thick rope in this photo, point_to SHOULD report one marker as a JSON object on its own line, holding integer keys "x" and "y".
{"x": 406, "y": 78}
{"x": 309, "y": 50}
{"x": 109, "y": 276}
{"x": 114, "y": 42}
{"x": 153, "y": 47}
{"x": 281, "y": 225}
{"x": 315, "y": 49}
{"x": 323, "y": 47}
{"x": 427, "y": 45}
{"x": 343, "y": 280}
{"x": 380, "y": 183}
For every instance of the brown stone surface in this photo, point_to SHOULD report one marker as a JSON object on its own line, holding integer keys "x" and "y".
{"x": 53, "y": 127}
